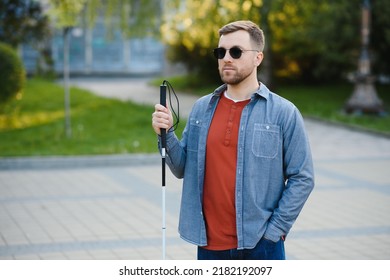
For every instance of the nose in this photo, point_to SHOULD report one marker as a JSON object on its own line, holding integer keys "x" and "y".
{"x": 227, "y": 57}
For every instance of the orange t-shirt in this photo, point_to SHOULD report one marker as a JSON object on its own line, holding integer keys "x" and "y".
{"x": 220, "y": 175}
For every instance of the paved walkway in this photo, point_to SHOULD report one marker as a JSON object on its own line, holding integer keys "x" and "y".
{"x": 109, "y": 207}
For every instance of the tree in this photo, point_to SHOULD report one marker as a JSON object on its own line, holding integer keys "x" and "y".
{"x": 314, "y": 40}
{"x": 12, "y": 74}
{"x": 380, "y": 36}
{"x": 22, "y": 21}
{"x": 132, "y": 17}
{"x": 66, "y": 14}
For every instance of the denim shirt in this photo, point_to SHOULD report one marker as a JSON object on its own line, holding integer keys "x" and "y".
{"x": 274, "y": 175}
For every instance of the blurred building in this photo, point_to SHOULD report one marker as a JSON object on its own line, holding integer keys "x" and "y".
{"x": 92, "y": 52}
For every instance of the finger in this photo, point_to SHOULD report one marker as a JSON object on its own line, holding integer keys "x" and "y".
{"x": 160, "y": 118}
{"x": 160, "y": 108}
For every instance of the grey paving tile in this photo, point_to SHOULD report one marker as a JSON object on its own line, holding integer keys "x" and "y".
{"x": 78, "y": 255}
{"x": 52, "y": 256}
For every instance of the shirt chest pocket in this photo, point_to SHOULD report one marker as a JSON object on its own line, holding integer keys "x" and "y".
{"x": 266, "y": 139}
{"x": 194, "y": 134}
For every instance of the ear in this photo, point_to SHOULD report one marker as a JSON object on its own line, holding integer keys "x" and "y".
{"x": 259, "y": 58}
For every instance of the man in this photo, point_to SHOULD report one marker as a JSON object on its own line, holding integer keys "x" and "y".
{"x": 244, "y": 156}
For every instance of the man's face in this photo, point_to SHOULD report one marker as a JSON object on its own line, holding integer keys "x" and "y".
{"x": 234, "y": 71}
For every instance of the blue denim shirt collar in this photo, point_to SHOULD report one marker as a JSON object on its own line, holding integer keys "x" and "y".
{"x": 262, "y": 91}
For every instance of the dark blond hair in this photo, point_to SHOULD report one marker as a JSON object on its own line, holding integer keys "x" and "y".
{"x": 255, "y": 33}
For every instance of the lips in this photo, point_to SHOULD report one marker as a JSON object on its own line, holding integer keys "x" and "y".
{"x": 228, "y": 68}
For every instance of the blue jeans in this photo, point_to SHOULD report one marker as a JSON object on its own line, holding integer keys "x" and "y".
{"x": 264, "y": 250}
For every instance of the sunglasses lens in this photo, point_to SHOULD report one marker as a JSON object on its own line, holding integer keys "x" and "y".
{"x": 219, "y": 53}
{"x": 235, "y": 52}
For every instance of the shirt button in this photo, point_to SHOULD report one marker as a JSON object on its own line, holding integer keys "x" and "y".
{"x": 267, "y": 127}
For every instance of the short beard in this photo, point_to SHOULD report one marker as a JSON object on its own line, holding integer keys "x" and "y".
{"x": 235, "y": 79}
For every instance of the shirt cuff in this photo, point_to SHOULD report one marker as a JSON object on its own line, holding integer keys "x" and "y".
{"x": 273, "y": 233}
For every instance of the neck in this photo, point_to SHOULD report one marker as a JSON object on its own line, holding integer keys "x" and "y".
{"x": 243, "y": 90}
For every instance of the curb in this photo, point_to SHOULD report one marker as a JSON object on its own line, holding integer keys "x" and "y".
{"x": 54, "y": 162}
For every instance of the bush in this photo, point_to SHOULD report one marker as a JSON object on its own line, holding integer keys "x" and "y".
{"x": 12, "y": 74}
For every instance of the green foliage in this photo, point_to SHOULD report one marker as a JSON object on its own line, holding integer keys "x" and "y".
{"x": 23, "y": 22}
{"x": 315, "y": 41}
{"x": 65, "y": 13}
{"x": 380, "y": 36}
{"x": 12, "y": 74}
{"x": 134, "y": 18}
{"x": 199, "y": 61}
{"x": 309, "y": 41}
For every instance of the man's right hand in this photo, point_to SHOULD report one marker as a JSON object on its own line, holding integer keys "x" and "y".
{"x": 161, "y": 118}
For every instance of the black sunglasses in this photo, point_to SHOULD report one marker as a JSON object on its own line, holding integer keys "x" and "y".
{"x": 234, "y": 52}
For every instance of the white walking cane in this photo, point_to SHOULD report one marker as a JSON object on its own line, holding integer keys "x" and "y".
{"x": 163, "y": 101}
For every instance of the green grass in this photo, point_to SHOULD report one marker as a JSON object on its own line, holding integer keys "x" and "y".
{"x": 34, "y": 125}
{"x": 99, "y": 125}
{"x": 327, "y": 103}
